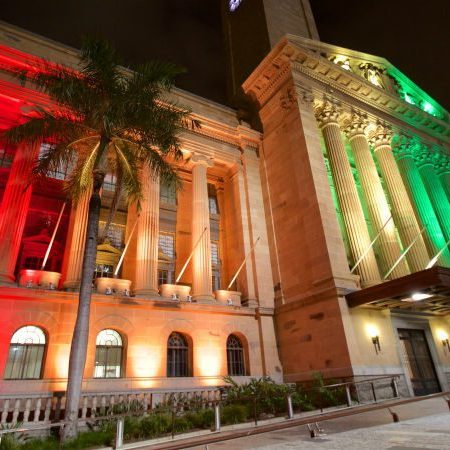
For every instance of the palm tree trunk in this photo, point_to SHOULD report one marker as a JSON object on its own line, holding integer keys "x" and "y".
{"x": 80, "y": 337}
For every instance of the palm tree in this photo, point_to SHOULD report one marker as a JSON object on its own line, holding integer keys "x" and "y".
{"x": 104, "y": 119}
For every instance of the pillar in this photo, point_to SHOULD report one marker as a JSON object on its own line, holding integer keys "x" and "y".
{"x": 377, "y": 205}
{"x": 147, "y": 236}
{"x": 442, "y": 168}
{"x": 201, "y": 261}
{"x": 347, "y": 194}
{"x": 74, "y": 252}
{"x": 436, "y": 193}
{"x": 433, "y": 236}
{"x": 14, "y": 209}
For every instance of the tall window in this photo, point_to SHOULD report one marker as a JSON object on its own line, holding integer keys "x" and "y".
{"x": 212, "y": 199}
{"x": 26, "y": 354}
{"x": 235, "y": 356}
{"x": 215, "y": 263}
{"x": 108, "y": 355}
{"x": 167, "y": 194}
{"x": 166, "y": 258}
{"x": 6, "y": 154}
{"x": 177, "y": 356}
{"x": 60, "y": 173}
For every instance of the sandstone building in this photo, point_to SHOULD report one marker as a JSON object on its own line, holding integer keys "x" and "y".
{"x": 339, "y": 205}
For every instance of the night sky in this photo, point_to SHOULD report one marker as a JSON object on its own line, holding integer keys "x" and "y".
{"x": 413, "y": 35}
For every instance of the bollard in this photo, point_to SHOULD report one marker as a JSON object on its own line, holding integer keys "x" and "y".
{"x": 348, "y": 396}
{"x": 217, "y": 417}
{"x": 395, "y": 387}
{"x": 119, "y": 433}
{"x": 290, "y": 408}
{"x": 394, "y": 415}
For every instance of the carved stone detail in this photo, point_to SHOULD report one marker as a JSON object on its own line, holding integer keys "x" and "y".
{"x": 382, "y": 135}
{"x": 356, "y": 125}
{"x": 442, "y": 163}
{"x": 423, "y": 156}
{"x": 327, "y": 113}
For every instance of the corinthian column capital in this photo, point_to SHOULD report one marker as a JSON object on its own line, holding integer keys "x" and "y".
{"x": 382, "y": 135}
{"x": 442, "y": 163}
{"x": 403, "y": 148}
{"x": 423, "y": 156}
{"x": 203, "y": 160}
{"x": 327, "y": 113}
{"x": 356, "y": 125}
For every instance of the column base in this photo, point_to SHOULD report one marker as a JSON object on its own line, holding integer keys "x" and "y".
{"x": 204, "y": 298}
{"x": 7, "y": 280}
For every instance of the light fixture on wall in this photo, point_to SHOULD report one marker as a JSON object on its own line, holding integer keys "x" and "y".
{"x": 443, "y": 336}
{"x": 372, "y": 331}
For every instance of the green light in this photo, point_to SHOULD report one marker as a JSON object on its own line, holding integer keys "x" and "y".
{"x": 409, "y": 99}
{"x": 428, "y": 108}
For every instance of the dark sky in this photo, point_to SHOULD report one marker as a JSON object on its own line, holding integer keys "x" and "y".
{"x": 414, "y": 35}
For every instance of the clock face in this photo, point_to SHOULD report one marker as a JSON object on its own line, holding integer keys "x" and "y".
{"x": 234, "y": 4}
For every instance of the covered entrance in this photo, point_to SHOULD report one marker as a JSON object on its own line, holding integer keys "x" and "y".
{"x": 418, "y": 363}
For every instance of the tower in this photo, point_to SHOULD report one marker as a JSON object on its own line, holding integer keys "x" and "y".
{"x": 251, "y": 28}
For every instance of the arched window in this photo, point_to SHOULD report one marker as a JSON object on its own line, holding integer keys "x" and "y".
{"x": 26, "y": 354}
{"x": 235, "y": 356}
{"x": 108, "y": 355}
{"x": 177, "y": 356}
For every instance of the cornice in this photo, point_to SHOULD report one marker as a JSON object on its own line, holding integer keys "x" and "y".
{"x": 287, "y": 57}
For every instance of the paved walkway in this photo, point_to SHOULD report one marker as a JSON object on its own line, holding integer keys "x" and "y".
{"x": 423, "y": 426}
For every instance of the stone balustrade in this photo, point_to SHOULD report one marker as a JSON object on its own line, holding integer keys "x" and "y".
{"x": 44, "y": 408}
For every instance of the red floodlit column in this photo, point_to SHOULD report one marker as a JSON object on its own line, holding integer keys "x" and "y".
{"x": 14, "y": 209}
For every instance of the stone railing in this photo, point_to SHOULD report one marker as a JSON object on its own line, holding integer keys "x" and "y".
{"x": 44, "y": 408}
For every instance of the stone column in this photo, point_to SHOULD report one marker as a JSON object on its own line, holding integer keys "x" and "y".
{"x": 442, "y": 168}
{"x": 377, "y": 205}
{"x": 347, "y": 194}
{"x": 433, "y": 236}
{"x": 402, "y": 209}
{"x": 436, "y": 193}
{"x": 201, "y": 261}
{"x": 147, "y": 234}
{"x": 14, "y": 209}
{"x": 76, "y": 238}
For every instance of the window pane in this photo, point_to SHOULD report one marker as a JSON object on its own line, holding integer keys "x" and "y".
{"x": 24, "y": 361}
{"x": 235, "y": 356}
{"x": 214, "y": 253}
{"x": 167, "y": 194}
{"x": 177, "y": 356}
{"x": 166, "y": 245}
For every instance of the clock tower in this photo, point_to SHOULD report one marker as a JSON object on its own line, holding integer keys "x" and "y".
{"x": 251, "y": 28}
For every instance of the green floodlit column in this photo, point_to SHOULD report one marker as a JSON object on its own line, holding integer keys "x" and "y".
{"x": 435, "y": 190}
{"x": 377, "y": 204}
{"x": 402, "y": 209}
{"x": 352, "y": 212}
{"x": 442, "y": 168}
{"x": 434, "y": 237}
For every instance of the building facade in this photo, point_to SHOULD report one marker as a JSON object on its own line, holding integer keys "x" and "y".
{"x": 339, "y": 206}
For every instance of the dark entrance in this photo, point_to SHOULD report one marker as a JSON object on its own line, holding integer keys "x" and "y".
{"x": 419, "y": 365}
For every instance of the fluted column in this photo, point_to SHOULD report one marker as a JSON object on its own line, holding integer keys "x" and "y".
{"x": 201, "y": 261}
{"x": 433, "y": 236}
{"x": 436, "y": 193}
{"x": 14, "y": 209}
{"x": 347, "y": 194}
{"x": 376, "y": 202}
{"x": 402, "y": 208}
{"x": 74, "y": 252}
{"x": 147, "y": 235}
{"x": 442, "y": 167}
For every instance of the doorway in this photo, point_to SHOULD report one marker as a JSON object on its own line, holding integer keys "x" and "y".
{"x": 418, "y": 363}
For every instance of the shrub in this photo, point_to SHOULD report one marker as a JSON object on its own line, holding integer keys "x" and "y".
{"x": 234, "y": 413}
{"x": 155, "y": 424}
{"x": 203, "y": 418}
{"x": 89, "y": 439}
